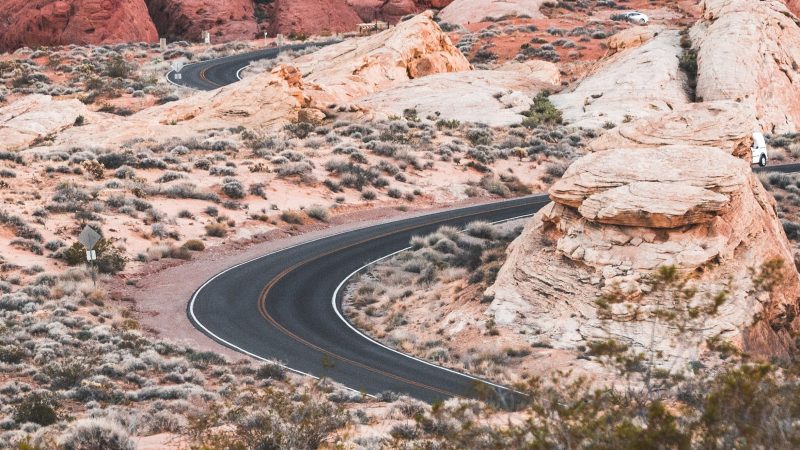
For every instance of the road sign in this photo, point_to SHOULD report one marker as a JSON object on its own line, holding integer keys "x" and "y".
{"x": 91, "y": 255}
{"x": 88, "y": 237}
{"x": 177, "y": 66}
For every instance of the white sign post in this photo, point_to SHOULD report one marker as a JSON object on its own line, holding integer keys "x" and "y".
{"x": 162, "y": 43}
{"x": 89, "y": 238}
{"x": 207, "y": 37}
{"x": 176, "y": 67}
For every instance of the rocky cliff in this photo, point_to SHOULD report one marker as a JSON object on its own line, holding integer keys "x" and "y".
{"x": 51, "y": 22}
{"x": 187, "y": 19}
{"x": 749, "y": 52}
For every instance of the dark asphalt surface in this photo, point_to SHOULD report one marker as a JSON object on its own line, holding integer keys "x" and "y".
{"x": 279, "y": 306}
{"x": 215, "y": 73}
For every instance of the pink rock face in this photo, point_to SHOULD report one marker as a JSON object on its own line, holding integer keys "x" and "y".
{"x": 313, "y": 17}
{"x": 226, "y": 20}
{"x": 392, "y": 10}
{"x": 48, "y": 22}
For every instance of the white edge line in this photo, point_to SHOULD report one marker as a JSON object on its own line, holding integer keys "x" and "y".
{"x": 229, "y": 344}
{"x": 342, "y": 318}
{"x": 239, "y": 72}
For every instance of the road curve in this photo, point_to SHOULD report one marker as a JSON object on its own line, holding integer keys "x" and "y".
{"x": 279, "y": 307}
{"x": 215, "y": 73}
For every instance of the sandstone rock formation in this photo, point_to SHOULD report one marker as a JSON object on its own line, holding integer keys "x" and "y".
{"x": 749, "y": 52}
{"x": 632, "y": 37}
{"x": 794, "y": 6}
{"x": 340, "y": 74}
{"x": 313, "y": 17}
{"x": 392, "y": 10}
{"x": 354, "y": 68}
{"x": 463, "y": 12}
{"x": 726, "y": 125}
{"x": 50, "y": 22}
{"x": 637, "y": 82}
{"x": 187, "y": 19}
{"x": 616, "y": 217}
{"x": 36, "y": 116}
{"x": 493, "y": 97}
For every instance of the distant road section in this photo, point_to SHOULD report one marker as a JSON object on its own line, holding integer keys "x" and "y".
{"x": 215, "y": 73}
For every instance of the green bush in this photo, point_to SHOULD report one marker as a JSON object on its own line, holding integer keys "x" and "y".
{"x": 542, "y": 112}
{"x": 110, "y": 259}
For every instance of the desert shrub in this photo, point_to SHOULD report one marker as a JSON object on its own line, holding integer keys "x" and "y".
{"x": 292, "y": 216}
{"x": 271, "y": 370}
{"x": 20, "y": 227}
{"x": 95, "y": 434}
{"x": 194, "y": 245}
{"x": 233, "y": 189}
{"x": 318, "y": 212}
{"x": 221, "y": 171}
{"x": 168, "y": 176}
{"x": 542, "y": 112}
{"x": 38, "y": 407}
{"x": 216, "y": 230}
{"x": 495, "y": 186}
{"x": 480, "y": 136}
{"x": 258, "y": 189}
{"x": 369, "y": 195}
{"x": 125, "y": 172}
{"x": 299, "y": 130}
{"x": 67, "y": 374}
{"x": 110, "y": 259}
{"x": 116, "y": 160}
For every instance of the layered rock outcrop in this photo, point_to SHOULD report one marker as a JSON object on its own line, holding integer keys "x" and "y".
{"x": 619, "y": 215}
{"x": 749, "y": 52}
{"x": 53, "y": 22}
{"x": 463, "y": 12}
{"x": 493, "y": 97}
{"x": 641, "y": 81}
{"x": 187, "y": 19}
{"x": 724, "y": 124}
{"x": 36, "y": 116}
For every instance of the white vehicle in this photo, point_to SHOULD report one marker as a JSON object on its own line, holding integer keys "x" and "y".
{"x": 759, "y": 149}
{"x": 637, "y": 17}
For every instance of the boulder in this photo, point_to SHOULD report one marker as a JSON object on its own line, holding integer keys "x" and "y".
{"x": 748, "y": 51}
{"x": 637, "y": 82}
{"x": 187, "y": 19}
{"x": 618, "y": 216}
{"x": 463, "y": 12}
{"x": 313, "y": 17}
{"x": 54, "y": 22}
{"x": 632, "y": 37}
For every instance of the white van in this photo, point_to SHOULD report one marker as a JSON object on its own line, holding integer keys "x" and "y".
{"x": 759, "y": 149}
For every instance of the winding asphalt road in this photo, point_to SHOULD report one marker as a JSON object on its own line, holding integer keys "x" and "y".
{"x": 281, "y": 306}
{"x": 215, "y": 73}
{"x": 286, "y": 306}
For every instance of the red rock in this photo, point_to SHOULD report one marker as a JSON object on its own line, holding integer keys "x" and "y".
{"x": 313, "y": 17}
{"x": 392, "y": 10}
{"x": 227, "y": 20}
{"x": 52, "y": 22}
